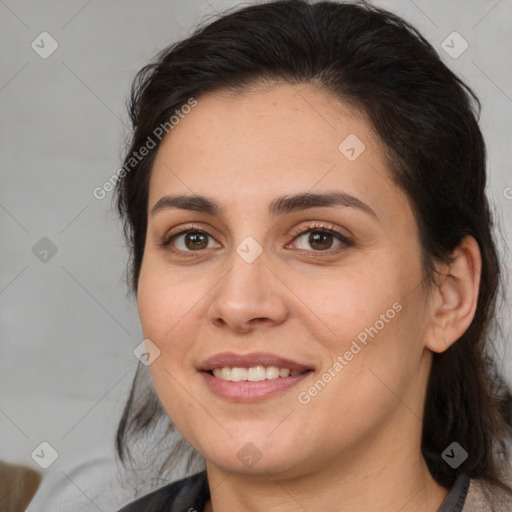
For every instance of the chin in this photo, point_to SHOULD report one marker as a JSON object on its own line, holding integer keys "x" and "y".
{"x": 255, "y": 455}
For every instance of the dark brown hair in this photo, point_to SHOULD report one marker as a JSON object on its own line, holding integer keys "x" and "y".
{"x": 428, "y": 120}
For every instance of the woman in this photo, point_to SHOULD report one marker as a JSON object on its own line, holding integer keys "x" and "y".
{"x": 304, "y": 198}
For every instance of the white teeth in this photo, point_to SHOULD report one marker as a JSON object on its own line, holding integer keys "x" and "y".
{"x": 256, "y": 373}
{"x": 238, "y": 374}
{"x": 225, "y": 373}
{"x": 272, "y": 372}
{"x": 253, "y": 374}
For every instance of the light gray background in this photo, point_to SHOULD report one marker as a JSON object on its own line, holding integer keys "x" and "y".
{"x": 68, "y": 329}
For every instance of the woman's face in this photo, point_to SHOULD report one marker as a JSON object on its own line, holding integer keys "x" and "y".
{"x": 293, "y": 269}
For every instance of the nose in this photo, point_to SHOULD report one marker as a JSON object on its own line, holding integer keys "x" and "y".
{"x": 250, "y": 295}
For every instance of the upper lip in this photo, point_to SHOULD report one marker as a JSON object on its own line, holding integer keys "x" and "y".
{"x": 232, "y": 359}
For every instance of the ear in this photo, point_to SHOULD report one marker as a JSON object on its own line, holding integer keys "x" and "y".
{"x": 454, "y": 296}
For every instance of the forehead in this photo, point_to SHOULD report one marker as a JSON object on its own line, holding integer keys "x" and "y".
{"x": 263, "y": 142}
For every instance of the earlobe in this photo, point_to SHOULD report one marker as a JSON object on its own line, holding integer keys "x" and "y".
{"x": 455, "y": 296}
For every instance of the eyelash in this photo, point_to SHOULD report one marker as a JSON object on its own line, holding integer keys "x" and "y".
{"x": 316, "y": 227}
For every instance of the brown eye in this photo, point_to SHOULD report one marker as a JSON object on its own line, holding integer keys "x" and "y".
{"x": 320, "y": 240}
{"x": 195, "y": 240}
{"x": 191, "y": 240}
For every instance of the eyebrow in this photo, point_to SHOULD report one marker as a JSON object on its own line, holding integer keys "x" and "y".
{"x": 279, "y": 206}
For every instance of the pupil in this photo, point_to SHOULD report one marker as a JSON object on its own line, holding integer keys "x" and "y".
{"x": 197, "y": 239}
{"x": 319, "y": 239}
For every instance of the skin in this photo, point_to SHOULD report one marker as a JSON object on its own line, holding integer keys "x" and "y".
{"x": 356, "y": 445}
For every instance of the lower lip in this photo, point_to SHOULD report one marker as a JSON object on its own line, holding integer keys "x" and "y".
{"x": 246, "y": 391}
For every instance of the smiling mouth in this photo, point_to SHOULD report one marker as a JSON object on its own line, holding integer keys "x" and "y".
{"x": 254, "y": 373}
{"x": 252, "y": 376}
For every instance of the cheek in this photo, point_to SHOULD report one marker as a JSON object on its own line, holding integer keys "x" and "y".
{"x": 351, "y": 303}
{"x": 169, "y": 304}
{"x": 368, "y": 325}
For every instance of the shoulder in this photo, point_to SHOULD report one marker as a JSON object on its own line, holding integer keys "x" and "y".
{"x": 187, "y": 494}
{"x": 485, "y": 497}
